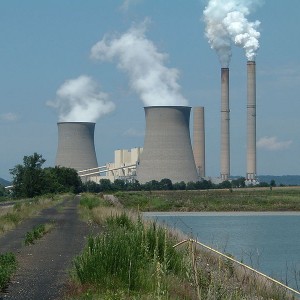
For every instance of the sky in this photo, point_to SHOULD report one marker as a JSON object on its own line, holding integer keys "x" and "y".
{"x": 46, "y": 47}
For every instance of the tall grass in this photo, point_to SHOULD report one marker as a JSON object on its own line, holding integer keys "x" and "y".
{"x": 131, "y": 257}
{"x": 8, "y": 266}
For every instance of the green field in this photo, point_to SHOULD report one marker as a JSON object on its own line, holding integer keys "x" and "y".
{"x": 248, "y": 199}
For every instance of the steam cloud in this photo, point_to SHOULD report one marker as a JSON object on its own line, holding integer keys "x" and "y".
{"x": 80, "y": 100}
{"x": 226, "y": 23}
{"x": 139, "y": 58}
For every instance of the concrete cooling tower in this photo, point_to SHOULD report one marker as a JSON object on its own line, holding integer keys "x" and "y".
{"x": 199, "y": 140}
{"x": 76, "y": 147}
{"x": 167, "y": 148}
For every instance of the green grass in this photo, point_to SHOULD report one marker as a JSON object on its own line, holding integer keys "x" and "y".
{"x": 130, "y": 259}
{"x": 24, "y": 209}
{"x": 278, "y": 199}
{"x": 36, "y": 233}
{"x": 8, "y": 266}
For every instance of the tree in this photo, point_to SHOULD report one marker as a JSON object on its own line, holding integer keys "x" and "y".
{"x": 272, "y": 183}
{"x": 28, "y": 179}
{"x": 179, "y": 185}
{"x": 2, "y": 191}
{"x": 105, "y": 185}
{"x": 119, "y": 185}
{"x": 62, "y": 179}
{"x": 166, "y": 184}
{"x": 92, "y": 187}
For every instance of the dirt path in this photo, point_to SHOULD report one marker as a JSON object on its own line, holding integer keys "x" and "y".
{"x": 43, "y": 267}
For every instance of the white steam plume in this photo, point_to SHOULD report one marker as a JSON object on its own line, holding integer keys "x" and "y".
{"x": 225, "y": 22}
{"x": 80, "y": 100}
{"x": 155, "y": 83}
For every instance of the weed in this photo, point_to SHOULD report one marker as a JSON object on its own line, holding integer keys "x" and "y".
{"x": 36, "y": 233}
{"x": 8, "y": 266}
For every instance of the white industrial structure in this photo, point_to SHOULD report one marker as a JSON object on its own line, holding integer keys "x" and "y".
{"x": 123, "y": 167}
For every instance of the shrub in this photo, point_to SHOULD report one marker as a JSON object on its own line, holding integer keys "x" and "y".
{"x": 90, "y": 202}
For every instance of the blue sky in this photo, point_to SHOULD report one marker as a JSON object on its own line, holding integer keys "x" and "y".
{"x": 45, "y": 43}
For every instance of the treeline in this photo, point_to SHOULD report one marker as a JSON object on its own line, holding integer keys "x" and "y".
{"x": 105, "y": 185}
{"x": 30, "y": 179}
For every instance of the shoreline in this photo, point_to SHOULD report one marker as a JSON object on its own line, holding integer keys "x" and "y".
{"x": 220, "y": 213}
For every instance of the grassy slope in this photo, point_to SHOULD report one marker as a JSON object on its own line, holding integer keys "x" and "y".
{"x": 277, "y": 199}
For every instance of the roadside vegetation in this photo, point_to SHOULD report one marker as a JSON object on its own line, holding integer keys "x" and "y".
{"x": 136, "y": 259}
{"x": 13, "y": 215}
{"x": 8, "y": 266}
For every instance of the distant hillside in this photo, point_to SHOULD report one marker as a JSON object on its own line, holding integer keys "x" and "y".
{"x": 4, "y": 182}
{"x": 285, "y": 179}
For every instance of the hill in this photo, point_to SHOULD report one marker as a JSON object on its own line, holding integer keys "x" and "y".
{"x": 284, "y": 179}
{"x": 4, "y": 182}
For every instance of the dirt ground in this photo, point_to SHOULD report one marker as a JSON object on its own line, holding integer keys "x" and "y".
{"x": 43, "y": 267}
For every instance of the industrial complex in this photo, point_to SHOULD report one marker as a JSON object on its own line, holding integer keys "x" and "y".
{"x": 167, "y": 151}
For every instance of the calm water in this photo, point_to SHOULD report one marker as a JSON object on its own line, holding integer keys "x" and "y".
{"x": 270, "y": 242}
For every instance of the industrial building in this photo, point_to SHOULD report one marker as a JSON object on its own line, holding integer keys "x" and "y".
{"x": 167, "y": 151}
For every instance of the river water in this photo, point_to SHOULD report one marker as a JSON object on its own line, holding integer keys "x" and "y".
{"x": 269, "y": 242}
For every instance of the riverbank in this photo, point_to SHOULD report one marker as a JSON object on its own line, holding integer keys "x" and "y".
{"x": 227, "y": 200}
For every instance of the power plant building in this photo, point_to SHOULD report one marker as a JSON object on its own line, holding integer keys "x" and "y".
{"x": 124, "y": 165}
{"x": 167, "y": 151}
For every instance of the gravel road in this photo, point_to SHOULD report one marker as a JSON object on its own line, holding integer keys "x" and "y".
{"x": 43, "y": 267}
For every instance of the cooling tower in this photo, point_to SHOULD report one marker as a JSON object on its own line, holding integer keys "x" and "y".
{"x": 167, "y": 148}
{"x": 199, "y": 141}
{"x": 76, "y": 145}
{"x": 251, "y": 121}
{"x": 225, "y": 137}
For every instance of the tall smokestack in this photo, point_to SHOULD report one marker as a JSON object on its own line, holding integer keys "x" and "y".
{"x": 167, "y": 149}
{"x": 251, "y": 121}
{"x": 199, "y": 140}
{"x": 225, "y": 137}
{"x": 76, "y": 147}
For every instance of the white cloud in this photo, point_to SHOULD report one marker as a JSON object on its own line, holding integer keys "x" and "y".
{"x": 131, "y": 132}
{"x": 9, "y": 117}
{"x": 272, "y": 143}
{"x": 127, "y": 3}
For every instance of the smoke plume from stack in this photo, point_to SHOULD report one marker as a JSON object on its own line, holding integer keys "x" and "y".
{"x": 80, "y": 100}
{"x": 226, "y": 23}
{"x": 155, "y": 83}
